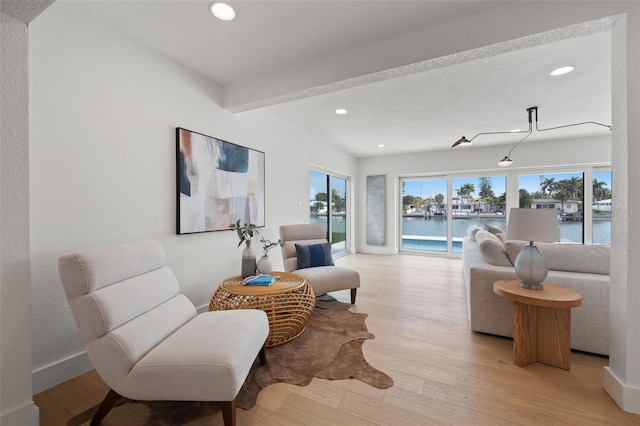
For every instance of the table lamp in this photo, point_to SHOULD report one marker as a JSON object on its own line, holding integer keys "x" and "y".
{"x": 532, "y": 225}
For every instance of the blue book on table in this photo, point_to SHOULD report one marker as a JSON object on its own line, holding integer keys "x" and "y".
{"x": 262, "y": 279}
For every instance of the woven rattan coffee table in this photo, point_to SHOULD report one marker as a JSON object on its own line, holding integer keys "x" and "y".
{"x": 288, "y": 303}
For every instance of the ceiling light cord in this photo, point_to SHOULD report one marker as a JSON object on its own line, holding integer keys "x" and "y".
{"x": 464, "y": 141}
{"x": 535, "y": 109}
{"x": 570, "y": 125}
{"x": 506, "y": 161}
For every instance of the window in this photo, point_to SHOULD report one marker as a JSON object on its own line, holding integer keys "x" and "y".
{"x": 563, "y": 192}
{"x": 426, "y": 210}
{"x": 482, "y": 202}
{"x": 328, "y": 207}
{"x": 601, "y": 207}
{"x": 429, "y": 202}
{"x": 424, "y": 218}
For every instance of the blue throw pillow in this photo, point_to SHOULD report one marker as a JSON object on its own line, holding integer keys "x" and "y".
{"x": 313, "y": 255}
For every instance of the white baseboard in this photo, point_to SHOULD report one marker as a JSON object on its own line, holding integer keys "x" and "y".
{"x": 377, "y": 250}
{"x": 66, "y": 369}
{"x": 25, "y": 415}
{"x": 61, "y": 371}
{"x": 627, "y": 397}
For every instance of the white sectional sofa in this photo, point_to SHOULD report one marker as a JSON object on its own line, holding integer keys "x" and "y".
{"x": 582, "y": 268}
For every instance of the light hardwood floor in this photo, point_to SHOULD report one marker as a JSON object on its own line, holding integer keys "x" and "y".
{"x": 443, "y": 372}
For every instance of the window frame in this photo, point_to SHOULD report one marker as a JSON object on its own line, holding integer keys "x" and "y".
{"x": 511, "y": 196}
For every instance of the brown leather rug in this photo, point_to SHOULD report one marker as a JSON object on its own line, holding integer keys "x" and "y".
{"x": 329, "y": 348}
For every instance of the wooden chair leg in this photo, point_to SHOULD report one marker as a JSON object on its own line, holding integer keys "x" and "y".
{"x": 353, "y": 295}
{"x": 229, "y": 412}
{"x": 263, "y": 355}
{"x": 105, "y": 407}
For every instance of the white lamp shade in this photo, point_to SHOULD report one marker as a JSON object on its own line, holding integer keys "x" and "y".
{"x": 533, "y": 225}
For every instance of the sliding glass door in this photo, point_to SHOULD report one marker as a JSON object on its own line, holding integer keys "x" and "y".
{"x": 328, "y": 207}
{"x": 424, "y": 218}
{"x": 477, "y": 201}
{"x": 432, "y": 223}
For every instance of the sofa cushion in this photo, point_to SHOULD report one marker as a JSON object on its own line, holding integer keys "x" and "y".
{"x": 472, "y": 230}
{"x": 495, "y": 230}
{"x": 591, "y": 259}
{"x": 312, "y": 255}
{"x": 324, "y": 279}
{"x": 492, "y": 249}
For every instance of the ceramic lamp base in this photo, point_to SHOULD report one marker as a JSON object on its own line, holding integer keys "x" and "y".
{"x": 531, "y": 268}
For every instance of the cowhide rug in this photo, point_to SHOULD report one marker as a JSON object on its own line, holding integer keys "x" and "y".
{"x": 329, "y": 348}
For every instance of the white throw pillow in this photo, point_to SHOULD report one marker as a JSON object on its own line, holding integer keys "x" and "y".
{"x": 492, "y": 249}
{"x": 472, "y": 230}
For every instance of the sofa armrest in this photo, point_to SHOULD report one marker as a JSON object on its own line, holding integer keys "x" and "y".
{"x": 488, "y": 312}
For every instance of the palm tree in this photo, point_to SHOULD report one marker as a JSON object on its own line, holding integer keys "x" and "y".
{"x": 598, "y": 189}
{"x": 574, "y": 186}
{"x": 548, "y": 185}
{"x": 465, "y": 191}
{"x": 571, "y": 186}
{"x": 563, "y": 195}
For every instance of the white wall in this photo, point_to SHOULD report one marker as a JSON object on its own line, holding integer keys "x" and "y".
{"x": 16, "y": 406}
{"x": 622, "y": 377}
{"x": 103, "y": 117}
{"x": 470, "y": 161}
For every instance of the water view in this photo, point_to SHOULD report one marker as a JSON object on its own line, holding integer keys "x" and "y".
{"x": 431, "y": 233}
{"x": 338, "y": 228}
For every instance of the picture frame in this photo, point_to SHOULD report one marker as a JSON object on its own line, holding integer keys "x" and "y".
{"x": 217, "y": 183}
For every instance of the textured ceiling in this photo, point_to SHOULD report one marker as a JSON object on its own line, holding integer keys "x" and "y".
{"x": 406, "y": 104}
{"x": 429, "y": 110}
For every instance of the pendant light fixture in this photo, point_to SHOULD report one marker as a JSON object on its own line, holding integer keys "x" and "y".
{"x": 506, "y": 161}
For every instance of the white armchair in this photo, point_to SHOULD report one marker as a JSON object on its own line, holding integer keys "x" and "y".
{"x": 322, "y": 276}
{"x": 146, "y": 340}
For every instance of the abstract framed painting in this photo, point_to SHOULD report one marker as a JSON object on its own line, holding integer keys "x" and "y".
{"x": 218, "y": 182}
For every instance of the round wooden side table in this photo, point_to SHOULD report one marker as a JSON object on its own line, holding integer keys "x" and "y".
{"x": 288, "y": 303}
{"x": 541, "y": 322}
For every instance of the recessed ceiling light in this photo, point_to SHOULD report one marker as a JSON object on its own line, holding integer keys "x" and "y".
{"x": 562, "y": 71}
{"x": 380, "y": 145}
{"x": 341, "y": 111}
{"x": 515, "y": 130}
{"x": 222, "y": 11}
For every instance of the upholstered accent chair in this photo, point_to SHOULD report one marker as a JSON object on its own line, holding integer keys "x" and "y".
{"x": 306, "y": 253}
{"x": 146, "y": 340}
